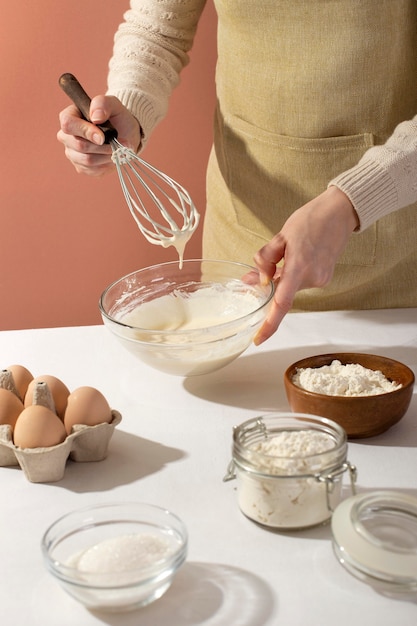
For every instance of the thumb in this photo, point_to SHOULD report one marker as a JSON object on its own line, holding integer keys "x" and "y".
{"x": 100, "y": 109}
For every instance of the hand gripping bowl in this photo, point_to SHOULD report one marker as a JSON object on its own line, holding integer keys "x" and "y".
{"x": 117, "y": 556}
{"x": 187, "y": 321}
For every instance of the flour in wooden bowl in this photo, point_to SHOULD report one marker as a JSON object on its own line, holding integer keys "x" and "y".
{"x": 337, "y": 379}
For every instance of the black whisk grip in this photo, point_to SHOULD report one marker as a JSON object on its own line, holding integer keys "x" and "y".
{"x": 70, "y": 85}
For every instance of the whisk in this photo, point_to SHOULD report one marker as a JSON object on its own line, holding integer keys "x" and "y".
{"x": 158, "y": 188}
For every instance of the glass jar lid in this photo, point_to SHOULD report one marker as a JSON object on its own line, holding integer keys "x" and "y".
{"x": 375, "y": 539}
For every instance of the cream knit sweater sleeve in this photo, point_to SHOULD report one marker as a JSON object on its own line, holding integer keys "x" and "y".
{"x": 150, "y": 50}
{"x": 385, "y": 179}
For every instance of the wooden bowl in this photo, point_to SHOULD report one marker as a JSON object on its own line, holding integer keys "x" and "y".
{"x": 360, "y": 416}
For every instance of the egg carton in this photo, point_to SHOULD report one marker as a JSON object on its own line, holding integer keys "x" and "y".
{"x": 42, "y": 465}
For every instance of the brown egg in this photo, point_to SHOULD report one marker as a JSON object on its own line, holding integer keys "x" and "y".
{"x": 10, "y": 407}
{"x": 86, "y": 405}
{"x": 22, "y": 378}
{"x": 38, "y": 427}
{"x": 58, "y": 389}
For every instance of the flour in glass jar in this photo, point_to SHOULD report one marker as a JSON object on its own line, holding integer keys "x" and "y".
{"x": 287, "y": 494}
{"x": 289, "y": 450}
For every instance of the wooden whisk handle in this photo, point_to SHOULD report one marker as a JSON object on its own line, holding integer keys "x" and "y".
{"x": 70, "y": 85}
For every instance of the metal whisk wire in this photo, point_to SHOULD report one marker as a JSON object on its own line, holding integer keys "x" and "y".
{"x": 130, "y": 167}
{"x": 159, "y": 187}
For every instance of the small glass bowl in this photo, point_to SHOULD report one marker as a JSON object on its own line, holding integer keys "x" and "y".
{"x": 115, "y": 557}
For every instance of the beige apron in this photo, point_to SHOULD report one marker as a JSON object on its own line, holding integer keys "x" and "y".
{"x": 304, "y": 88}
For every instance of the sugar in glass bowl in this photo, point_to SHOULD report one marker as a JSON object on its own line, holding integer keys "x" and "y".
{"x": 115, "y": 557}
{"x": 190, "y": 320}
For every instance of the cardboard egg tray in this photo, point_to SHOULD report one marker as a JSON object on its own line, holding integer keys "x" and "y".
{"x": 44, "y": 465}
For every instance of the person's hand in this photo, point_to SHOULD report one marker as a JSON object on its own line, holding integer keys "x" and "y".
{"x": 84, "y": 141}
{"x": 309, "y": 243}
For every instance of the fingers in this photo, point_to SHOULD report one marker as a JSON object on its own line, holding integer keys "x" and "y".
{"x": 101, "y": 109}
{"x": 268, "y": 256}
{"x": 86, "y": 162}
{"x": 251, "y": 278}
{"x": 266, "y": 260}
{"x": 271, "y": 323}
{"x": 308, "y": 245}
{"x": 84, "y": 143}
{"x": 286, "y": 288}
{"x": 73, "y": 124}
{"x": 86, "y": 157}
{"x": 104, "y": 108}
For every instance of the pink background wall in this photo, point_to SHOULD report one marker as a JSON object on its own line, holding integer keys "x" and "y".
{"x": 64, "y": 237}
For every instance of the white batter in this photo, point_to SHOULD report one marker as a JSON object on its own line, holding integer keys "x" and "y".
{"x": 209, "y": 306}
{"x": 193, "y": 333}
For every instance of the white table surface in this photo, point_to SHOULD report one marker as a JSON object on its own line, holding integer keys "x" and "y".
{"x": 172, "y": 448}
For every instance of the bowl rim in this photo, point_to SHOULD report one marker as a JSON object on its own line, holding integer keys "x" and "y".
{"x": 68, "y": 574}
{"x": 184, "y": 332}
{"x": 338, "y": 398}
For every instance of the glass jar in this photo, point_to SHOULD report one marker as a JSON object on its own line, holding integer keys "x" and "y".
{"x": 375, "y": 539}
{"x": 289, "y": 469}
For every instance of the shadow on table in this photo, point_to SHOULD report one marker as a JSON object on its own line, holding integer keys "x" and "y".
{"x": 130, "y": 458}
{"x": 205, "y": 593}
{"x": 255, "y": 382}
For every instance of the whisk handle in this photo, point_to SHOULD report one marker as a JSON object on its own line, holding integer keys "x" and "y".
{"x": 71, "y": 86}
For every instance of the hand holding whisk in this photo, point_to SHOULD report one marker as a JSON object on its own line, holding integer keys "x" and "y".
{"x": 157, "y": 189}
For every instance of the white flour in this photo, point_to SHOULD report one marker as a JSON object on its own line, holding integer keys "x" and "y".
{"x": 291, "y": 497}
{"x": 336, "y": 379}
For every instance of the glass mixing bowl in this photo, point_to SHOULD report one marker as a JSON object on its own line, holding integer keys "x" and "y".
{"x": 187, "y": 321}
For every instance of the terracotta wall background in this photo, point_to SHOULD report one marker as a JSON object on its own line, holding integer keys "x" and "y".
{"x": 63, "y": 236}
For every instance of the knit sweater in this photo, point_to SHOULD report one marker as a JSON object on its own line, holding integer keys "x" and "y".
{"x": 150, "y": 50}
